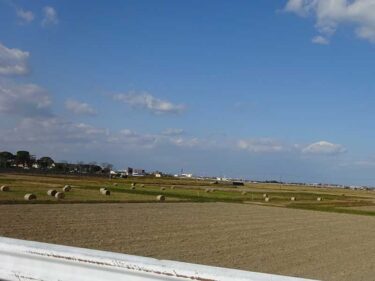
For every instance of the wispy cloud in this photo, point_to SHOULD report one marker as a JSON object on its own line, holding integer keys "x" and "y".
{"x": 54, "y": 130}
{"x": 146, "y": 101}
{"x": 77, "y": 107}
{"x": 13, "y": 61}
{"x": 173, "y": 132}
{"x": 25, "y": 16}
{"x": 50, "y": 16}
{"x": 324, "y": 148}
{"x": 134, "y": 139}
{"x": 320, "y": 40}
{"x": 330, "y": 14}
{"x": 24, "y": 99}
{"x": 186, "y": 142}
{"x": 261, "y": 145}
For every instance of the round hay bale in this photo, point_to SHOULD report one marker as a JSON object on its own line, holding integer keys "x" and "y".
{"x": 30, "y": 196}
{"x": 162, "y": 188}
{"x": 160, "y": 198}
{"x": 266, "y": 199}
{"x": 5, "y": 188}
{"x": 265, "y": 195}
{"x": 105, "y": 192}
{"x": 293, "y": 199}
{"x": 319, "y": 199}
{"x": 51, "y": 192}
{"x": 243, "y": 192}
{"x": 60, "y": 195}
{"x": 67, "y": 188}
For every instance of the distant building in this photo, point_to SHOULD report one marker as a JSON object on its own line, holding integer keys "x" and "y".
{"x": 122, "y": 173}
{"x": 138, "y": 172}
{"x": 222, "y": 179}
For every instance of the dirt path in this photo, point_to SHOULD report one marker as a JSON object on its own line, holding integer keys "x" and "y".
{"x": 309, "y": 244}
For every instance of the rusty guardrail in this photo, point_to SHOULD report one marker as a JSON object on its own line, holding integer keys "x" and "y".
{"x": 22, "y": 260}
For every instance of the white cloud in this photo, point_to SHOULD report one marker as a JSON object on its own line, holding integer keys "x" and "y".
{"x": 149, "y": 102}
{"x": 25, "y": 16}
{"x": 58, "y": 135}
{"x": 296, "y": 6}
{"x": 324, "y": 148}
{"x": 261, "y": 145}
{"x": 330, "y": 14}
{"x": 79, "y": 107}
{"x": 172, "y": 132}
{"x": 50, "y": 16}
{"x": 320, "y": 40}
{"x": 53, "y": 130}
{"x": 186, "y": 142}
{"x": 13, "y": 61}
{"x": 131, "y": 138}
{"x": 24, "y": 99}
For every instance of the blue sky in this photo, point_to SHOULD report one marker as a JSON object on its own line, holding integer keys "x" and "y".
{"x": 257, "y": 89}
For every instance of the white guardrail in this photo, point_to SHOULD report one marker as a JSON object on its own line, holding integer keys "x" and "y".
{"x": 26, "y": 260}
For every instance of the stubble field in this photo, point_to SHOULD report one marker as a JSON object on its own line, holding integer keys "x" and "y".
{"x": 320, "y": 245}
{"x": 202, "y": 223}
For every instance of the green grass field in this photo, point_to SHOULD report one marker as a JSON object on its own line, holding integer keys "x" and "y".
{"x": 86, "y": 190}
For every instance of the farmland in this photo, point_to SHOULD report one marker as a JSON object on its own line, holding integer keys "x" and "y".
{"x": 201, "y": 222}
{"x": 320, "y": 245}
{"x": 86, "y": 190}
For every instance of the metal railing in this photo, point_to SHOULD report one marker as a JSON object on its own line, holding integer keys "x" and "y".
{"x": 26, "y": 260}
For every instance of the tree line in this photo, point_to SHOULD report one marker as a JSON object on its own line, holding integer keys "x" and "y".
{"x": 23, "y": 159}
